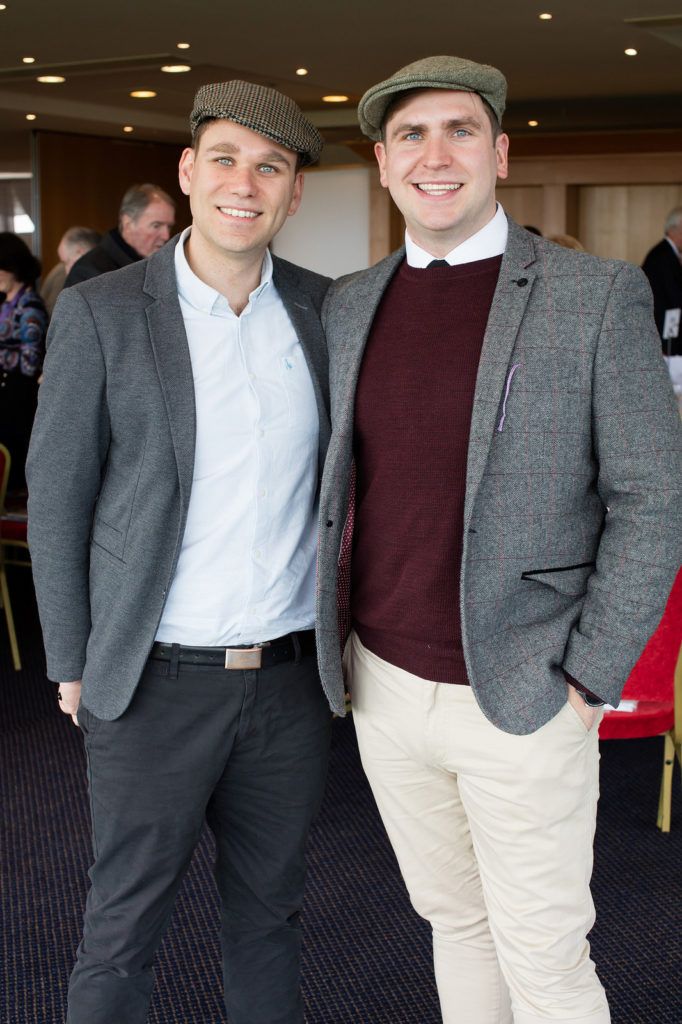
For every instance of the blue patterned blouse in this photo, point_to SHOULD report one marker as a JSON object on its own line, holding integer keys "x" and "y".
{"x": 23, "y": 326}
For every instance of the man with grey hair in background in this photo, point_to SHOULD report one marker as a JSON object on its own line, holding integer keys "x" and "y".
{"x": 174, "y": 468}
{"x": 500, "y": 529}
{"x": 73, "y": 244}
{"x": 145, "y": 222}
{"x": 663, "y": 267}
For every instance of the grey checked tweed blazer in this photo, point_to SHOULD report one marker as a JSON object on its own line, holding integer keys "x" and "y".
{"x": 111, "y": 462}
{"x": 573, "y": 508}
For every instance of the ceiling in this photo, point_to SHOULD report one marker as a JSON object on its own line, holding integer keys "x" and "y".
{"x": 569, "y": 73}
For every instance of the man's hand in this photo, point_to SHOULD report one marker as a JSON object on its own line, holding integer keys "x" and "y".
{"x": 69, "y": 695}
{"x": 589, "y": 715}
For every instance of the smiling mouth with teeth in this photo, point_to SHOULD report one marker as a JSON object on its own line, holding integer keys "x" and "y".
{"x": 243, "y": 214}
{"x": 433, "y": 188}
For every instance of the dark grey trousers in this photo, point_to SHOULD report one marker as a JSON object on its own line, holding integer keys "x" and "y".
{"x": 245, "y": 751}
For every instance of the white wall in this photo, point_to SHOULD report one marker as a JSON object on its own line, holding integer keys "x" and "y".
{"x": 330, "y": 232}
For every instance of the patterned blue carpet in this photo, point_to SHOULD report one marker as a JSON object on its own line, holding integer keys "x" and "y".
{"x": 367, "y": 956}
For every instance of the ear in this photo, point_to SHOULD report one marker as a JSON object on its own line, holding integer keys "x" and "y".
{"x": 297, "y": 195}
{"x": 380, "y": 154}
{"x": 502, "y": 154}
{"x": 185, "y": 169}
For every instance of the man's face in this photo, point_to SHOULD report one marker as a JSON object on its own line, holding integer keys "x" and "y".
{"x": 68, "y": 252}
{"x": 241, "y": 188}
{"x": 151, "y": 230}
{"x": 440, "y": 164}
{"x": 675, "y": 235}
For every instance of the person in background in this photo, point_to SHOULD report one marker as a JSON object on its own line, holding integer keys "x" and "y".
{"x": 145, "y": 223}
{"x": 23, "y": 326}
{"x": 568, "y": 242}
{"x": 504, "y": 438}
{"x": 663, "y": 267}
{"x": 74, "y": 243}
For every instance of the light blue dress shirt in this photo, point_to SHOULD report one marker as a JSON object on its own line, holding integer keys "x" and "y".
{"x": 246, "y": 571}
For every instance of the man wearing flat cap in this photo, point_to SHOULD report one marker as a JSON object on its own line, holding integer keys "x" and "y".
{"x": 174, "y": 474}
{"x": 503, "y": 487}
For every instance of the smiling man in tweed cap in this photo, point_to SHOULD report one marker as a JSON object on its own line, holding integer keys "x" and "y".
{"x": 503, "y": 485}
{"x": 174, "y": 476}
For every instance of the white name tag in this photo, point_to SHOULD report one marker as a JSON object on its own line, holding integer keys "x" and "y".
{"x": 671, "y": 324}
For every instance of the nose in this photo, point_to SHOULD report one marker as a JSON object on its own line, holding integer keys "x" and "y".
{"x": 436, "y": 152}
{"x": 242, "y": 182}
{"x": 165, "y": 232}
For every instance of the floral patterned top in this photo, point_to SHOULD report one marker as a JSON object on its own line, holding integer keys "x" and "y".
{"x": 23, "y": 326}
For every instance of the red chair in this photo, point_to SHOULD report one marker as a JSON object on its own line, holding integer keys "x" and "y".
{"x": 655, "y": 689}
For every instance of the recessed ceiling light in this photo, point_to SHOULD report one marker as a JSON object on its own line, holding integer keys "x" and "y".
{"x": 546, "y": 16}
{"x": 3, "y": 7}
{"x": 31, "y": 117}
{"x": 28, "y": 60}
{"x": 143, "y": 94}
{"x": 334, "y": 99}
{"x": 631, "y": 52}
{"x": 51, "y": 79}
{"x": 128, "y": 128}
{"x": 533, "y": 124}
{"x": 175, "y": 69}
{"x": 301, "y": 71}
{"x": 182, "y": 46}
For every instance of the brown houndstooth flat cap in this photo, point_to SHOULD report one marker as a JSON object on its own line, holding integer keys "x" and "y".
{"x": 263, "y": 110}
{"x": 432, "y": 73}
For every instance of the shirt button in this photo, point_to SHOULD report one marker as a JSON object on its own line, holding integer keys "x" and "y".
{"x": 261, "y": 433}
{"x": 262, "y": 492}
{"x": 257, "y": 553}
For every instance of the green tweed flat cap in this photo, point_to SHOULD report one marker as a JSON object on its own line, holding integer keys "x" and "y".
{"x": 432, "y": 73}
{"x": 263, "y": 110}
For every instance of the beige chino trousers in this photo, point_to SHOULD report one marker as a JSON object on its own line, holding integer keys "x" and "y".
{"x": 493, "y": 834}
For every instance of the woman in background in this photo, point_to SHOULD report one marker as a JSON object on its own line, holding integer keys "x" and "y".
{"x": 23, "y": 325}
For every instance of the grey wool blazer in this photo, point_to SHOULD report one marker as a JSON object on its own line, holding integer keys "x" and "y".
{"x": 111, "y": 462}
{"x": 573, "y": 506}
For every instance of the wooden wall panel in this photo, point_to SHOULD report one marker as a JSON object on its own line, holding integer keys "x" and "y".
{"x": 523, "y": 203}
{"x": 624, "y": 221}
{"x": 80, "y": 179}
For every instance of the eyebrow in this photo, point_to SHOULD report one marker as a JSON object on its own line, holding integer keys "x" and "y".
{"x": 455, "y": 122}
{"x": 272, "y": 156}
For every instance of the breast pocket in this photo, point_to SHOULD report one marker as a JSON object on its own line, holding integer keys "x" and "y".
{"x": 300, "y": 394}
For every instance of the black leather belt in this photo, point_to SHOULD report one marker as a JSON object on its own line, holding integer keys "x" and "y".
{"x": 265, "y": 655}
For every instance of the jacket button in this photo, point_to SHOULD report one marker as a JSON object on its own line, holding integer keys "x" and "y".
{"x": 330, "y": 522}
{"x": 522, "y": 282}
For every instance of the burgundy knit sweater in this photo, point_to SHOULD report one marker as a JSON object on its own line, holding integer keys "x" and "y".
{"x": 413, "y": 412}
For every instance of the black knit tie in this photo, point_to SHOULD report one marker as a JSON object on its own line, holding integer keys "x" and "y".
{"x": 437, "y": 263}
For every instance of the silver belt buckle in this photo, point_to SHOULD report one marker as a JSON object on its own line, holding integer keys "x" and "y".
{"x": 244, "y": 657}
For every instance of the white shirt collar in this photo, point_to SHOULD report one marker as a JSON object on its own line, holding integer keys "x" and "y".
{"x": 199, "y": 294}
{"x": 490, "y": 241}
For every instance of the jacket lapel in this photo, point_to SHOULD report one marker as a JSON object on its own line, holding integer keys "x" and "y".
{"x": 306, "y": 322}
{"x": 171, "y": 353}
{"x": 349, "y": 331}
{"x": 506, "y": 314}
